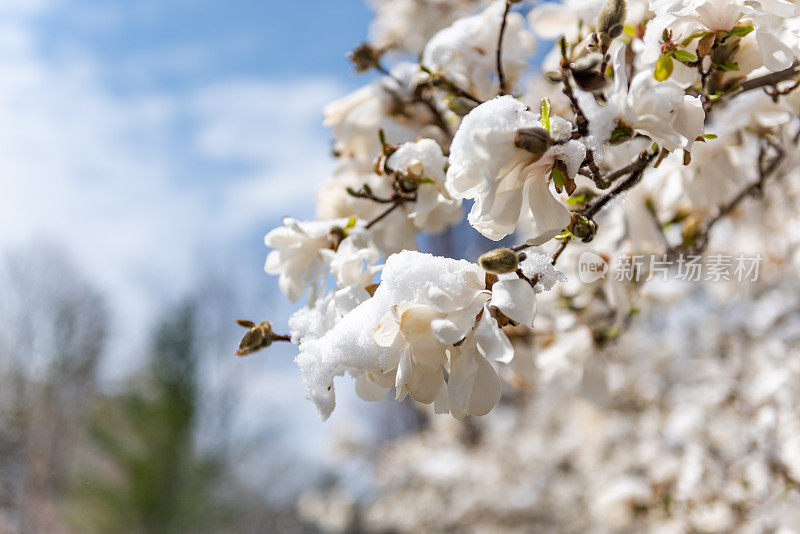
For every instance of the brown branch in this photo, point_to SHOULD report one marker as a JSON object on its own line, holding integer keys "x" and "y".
{"x": 500, "y": 75}
{"x": 440, "y": 80}
{"x": 635, "y": 170}
{"x": 769, "y": 80}
{"x": 384, "y": 213}
{"x": 755, "y": 188}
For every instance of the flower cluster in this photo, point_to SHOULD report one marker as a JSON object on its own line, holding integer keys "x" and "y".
{"x": 686, "y": 108}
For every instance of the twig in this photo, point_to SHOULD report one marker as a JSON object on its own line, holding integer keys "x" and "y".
{"x": 383, "y": 214}
{"x": 770, "y": 79}
{"x": 440, "y": 80}
{"x": 636, "y": 169}
{"x": 500, "y": 75}
{"x": 753, "y": 189}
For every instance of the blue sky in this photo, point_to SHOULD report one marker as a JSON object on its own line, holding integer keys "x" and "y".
{"x": 178, "y": 43}
{"x": 158, "y": 141}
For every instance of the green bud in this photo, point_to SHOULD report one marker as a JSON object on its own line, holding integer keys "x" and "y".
{"x": 499, "y": 261}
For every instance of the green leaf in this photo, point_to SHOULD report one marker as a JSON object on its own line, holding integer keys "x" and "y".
{"x": 664, "y": 67}
{"x": 709, "y": 136}
{"x": 351, "y": 223}
{"x": 566, "y": 234}
{"x": 728, "y": 66}
{"x": 741, "y": 31}
{"x": 695, "y": 35}
{"x": 558, "y": 178}
{"x": 545, "y": 107}
{"x": 576, "y": 199}
{"x": 620, "y": 132}
{"x": 427, "y": 181}
{"x": 245, "y": 323}
{"x": 683, "y": 56}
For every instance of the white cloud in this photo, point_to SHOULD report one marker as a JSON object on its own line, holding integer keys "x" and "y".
{"x": 132, "y": 184}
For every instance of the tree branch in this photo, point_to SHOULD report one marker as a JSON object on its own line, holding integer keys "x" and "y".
{"x": 383, "y": 214}
{"x": 500, "y": 75}
{"x": 635, "y": 170}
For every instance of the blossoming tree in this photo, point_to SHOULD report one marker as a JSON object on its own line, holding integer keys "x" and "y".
{"x": 645, "y": 126}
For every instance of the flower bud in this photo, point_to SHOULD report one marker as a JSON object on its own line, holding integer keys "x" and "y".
{"x": 588, "y": 79}
{"x": 499, "y": 261}
{"x": 535, "y": 140}
{"x": 553, "y": 76}
{"x": 365, "y": 57}
{"x": 459, "y": 105}
{"x": 258, "y": 337}
{"x": 587, "y": 62}
{"x": 583, "y": 228}
{"x": 612, "y": 15}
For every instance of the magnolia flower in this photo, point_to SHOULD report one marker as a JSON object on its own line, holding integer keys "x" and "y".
{"x": 405, "y": 334}
{"x": 356, "y": 119}
{"x": 465, "y": 51}
{"x": 551, "y": 20}
{"x": 660, "y": 110}
{"x": 409, "y": 24}
{"x": 397, "y": 231}
{"x": 486, "y": 165}
{"x": 353, "y": 261}
{"x": 685, "y": 19}
{"x": 298, "y": 258}
{"x": 473, "y": 387}
{"x": 406, "y": 328}
{"x": 424, "y": 163}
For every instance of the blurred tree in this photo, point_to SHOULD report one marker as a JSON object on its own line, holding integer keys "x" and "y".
{"x": 147, "y": 475}
{"x": 52, "y": 333}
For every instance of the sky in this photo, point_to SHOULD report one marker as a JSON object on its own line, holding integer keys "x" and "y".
{"x": 157, "y": 142}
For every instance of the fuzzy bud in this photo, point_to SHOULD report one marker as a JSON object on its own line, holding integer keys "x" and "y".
{"x": 499, "y": 261}
{"x": 611, "y": 19}
{"x": 258, "y": 337}
{"x": 586, "y": 73}
{"x": 535, "y": 140}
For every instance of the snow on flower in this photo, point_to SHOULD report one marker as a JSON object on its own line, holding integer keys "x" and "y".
{"x": 405, "y": 333}
{"x": 465, "y": 51}
{"x": 486, "y": 165}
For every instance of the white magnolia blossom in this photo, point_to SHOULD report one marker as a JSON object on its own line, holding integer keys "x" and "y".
{"x": 465, "y": 51}
{"x": 504, "y": 180}
{"x": 353, "y": 261}
{"x": 685, "y": 19}
{"x": 660, "y": 110}
{"x": 334, "y": 202}
{"x": 655, "y": 401}
{"x": 356, "y": 119}
{"x": 551, "y": 20}
{"x": 404, "y": 335}
{"x": 423, "y": 162}
{"x": 297, "y": 257}
{"x": 409, "y": 24}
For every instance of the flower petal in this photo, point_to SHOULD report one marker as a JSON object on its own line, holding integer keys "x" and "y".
{"x": 492, "y": 342}
{"x": 516, "y": 299}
